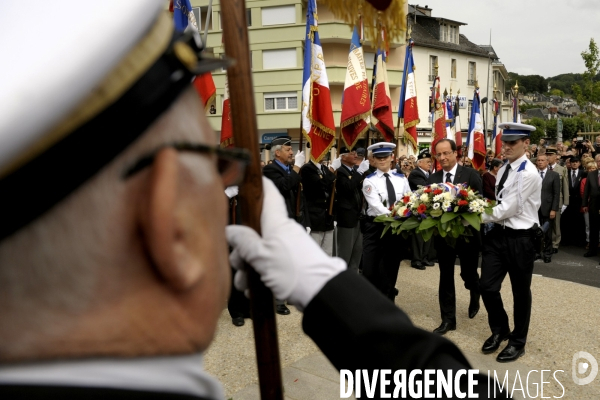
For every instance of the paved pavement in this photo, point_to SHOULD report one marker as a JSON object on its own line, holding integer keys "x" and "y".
{"x": 565, "y": 320}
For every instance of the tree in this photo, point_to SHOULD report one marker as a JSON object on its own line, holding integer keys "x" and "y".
{"x": 557, "y": 92}
{"x": 551, "y": 129}
{"x": 540, "y": 129}
{"x": 588, "y": 93}
{"x": 570, "y": 128}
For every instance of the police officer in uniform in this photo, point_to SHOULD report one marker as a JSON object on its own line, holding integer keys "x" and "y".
{"x": 381, "y": 189}
{"x": 509, "y": 246}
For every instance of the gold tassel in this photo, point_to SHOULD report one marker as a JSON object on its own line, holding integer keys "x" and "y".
{"x": 394, "y": 18}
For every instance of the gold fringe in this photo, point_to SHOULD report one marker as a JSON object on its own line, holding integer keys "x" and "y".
{"x": 211, "y": 101}
{"x": 411, "y": 140}
{"x": 355, "y": 119}
{"x": 227, "y": 143}
{"x": 394, "y": 18}
{"x": 412, "y": 123}
{"x": 356, "y": 139}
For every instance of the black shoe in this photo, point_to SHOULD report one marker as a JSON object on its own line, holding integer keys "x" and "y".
{"x": 590, "y": 254}
{"x": 547, "y": 260}
{"x": 417, "y": 265}
{"x": 238, "y": 321}
{"x": 428, "y": 263}
{"x": 474, "y": 305}
{"x": 445, "y": 327}
{"x": 493, "y": 342}
{"x": 510, "y": 353}
{"x": 555, "y": 250}
{"x": 538, "y": 256}
{"x": 281, "y": 309}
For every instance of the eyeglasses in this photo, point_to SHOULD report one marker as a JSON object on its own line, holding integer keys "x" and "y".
{"x": 444, "y": 154}
{"x": 231, "y": 163}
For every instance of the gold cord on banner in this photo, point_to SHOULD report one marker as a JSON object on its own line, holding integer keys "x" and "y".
{"x": 394, "y": 18}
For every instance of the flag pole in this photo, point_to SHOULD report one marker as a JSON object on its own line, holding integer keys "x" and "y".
{"x": 245, "y": 132}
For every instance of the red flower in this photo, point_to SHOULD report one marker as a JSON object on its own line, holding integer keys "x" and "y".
{"x": 406, "y": 211}
{"x": 427, "y": 190}
{"x": 422, "y": 208}
{"x": 437, "y": 191}
{"x": 464, "y": 193}
{"x": 406, "y": 199}
{"x": 463, "y": 203}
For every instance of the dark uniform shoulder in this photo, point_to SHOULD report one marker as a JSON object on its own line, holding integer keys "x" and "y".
{"x": 371, "y": 175}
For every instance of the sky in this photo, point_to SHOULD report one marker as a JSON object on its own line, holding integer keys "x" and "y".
{"x": 531, "y": 37}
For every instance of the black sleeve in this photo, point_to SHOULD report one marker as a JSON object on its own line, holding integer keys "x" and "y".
{"x": 370, "y": 332}
{"x": 555, "y": 192}
{"x": 283, "y": 181}
{"x": 586, "y": 193}
{"x": 417, "y": 179}
{"x": 475, "y": 182}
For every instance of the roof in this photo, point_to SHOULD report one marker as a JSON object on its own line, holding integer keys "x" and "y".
{"x": 426, "y": 33}
{"x": 536, "y": 113}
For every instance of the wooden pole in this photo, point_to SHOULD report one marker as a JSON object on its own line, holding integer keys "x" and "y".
{"x": 245, "y": 133}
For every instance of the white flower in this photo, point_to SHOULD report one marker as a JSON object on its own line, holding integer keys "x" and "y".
{"x": 424, "y": 198}
{"x": 446, "y": 205}
{"x": 401, "y": 210}
{"x": 436, "y": 206}
{"x": 448, "y": 196}
{"x": 438, "y": 197}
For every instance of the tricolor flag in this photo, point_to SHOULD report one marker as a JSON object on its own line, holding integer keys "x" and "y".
{"x": 457, "y": 128}
{"x": 496, "y": 134}
{"x": 317, "y": 115}
{"x": 449, "y": 119}
{"x": 438, "y": 131}
{"x": 408, "y": 112}
{"x": 226, "y": 126}
{"x": 184, "y": 20}
{"x": 356, "y": 102}
{"x": 382, "y": 104}
{"x": 475, "y": 138}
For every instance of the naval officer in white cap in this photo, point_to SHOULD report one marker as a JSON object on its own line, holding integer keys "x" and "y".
{"x": 382, "y": 189}
{"x": 110, "y": 179}
{"x": 509, "y": 247}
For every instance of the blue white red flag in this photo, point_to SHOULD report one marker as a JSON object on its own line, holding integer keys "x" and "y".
{"x": 356, "y": 101}
{"x": 317, "y": 115}
{"x": 382, "y": 103}
{"x": 475, "y": 138}
{"x": 496, "y": 134}
{"x": 408, "y": 112}
{"x": 449, "y": 119}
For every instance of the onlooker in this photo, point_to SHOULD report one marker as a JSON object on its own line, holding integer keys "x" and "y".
{"x": 573, "y": 220}
{"x": 591, "y": 204}
{"x": 489, "y": 179}
{"x": 589, "y": 167}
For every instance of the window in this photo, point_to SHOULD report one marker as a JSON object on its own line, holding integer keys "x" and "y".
{"x": 248, "y": 18}
{"x": 453, "y": 68}
{"x": 453, "y": 34}
{"x": 279, "y": 15}
{"x": 201, "y": 14}
{"x": 280, "y": 58}
{"x": 433, "y": 62}
{"x": 443, "y": 32}
{"x": 281, "y": 101}
{"x": 472, "y": 74}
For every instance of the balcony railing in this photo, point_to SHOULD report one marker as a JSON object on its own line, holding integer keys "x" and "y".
{"x": 431, "y": 78}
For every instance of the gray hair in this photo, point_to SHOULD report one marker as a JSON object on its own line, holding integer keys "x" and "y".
{"x": 274, "y": 149}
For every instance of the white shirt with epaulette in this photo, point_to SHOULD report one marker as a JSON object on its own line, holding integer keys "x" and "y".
{"x": 520, "y": 198}
{"x": 375, "y": 191}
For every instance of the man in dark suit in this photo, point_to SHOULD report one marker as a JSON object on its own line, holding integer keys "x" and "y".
{"x": 420, "y": 177}
{"x": 284, "y": 172}
{"x": 467, "y": 252}
{"x": 550, "y": 200}
{"x": 591, "y": 204}
{"x": 349, "y": 201}
{"x": 573, "y": 222}
{"x": 318, "y": 187}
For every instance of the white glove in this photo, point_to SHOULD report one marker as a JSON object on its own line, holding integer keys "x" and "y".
{"x": 562, "y": 210}
{"x": 300, "y": 159}
{"x": 364, "y": 165}
{"x": 335, "y": 164}
{"x": 232, "y": 191}
{"x": 308, "y": 230}
{"x": 306, "y": 268}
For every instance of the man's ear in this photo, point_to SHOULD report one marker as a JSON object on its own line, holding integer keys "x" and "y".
{"x": 164, "y": 233}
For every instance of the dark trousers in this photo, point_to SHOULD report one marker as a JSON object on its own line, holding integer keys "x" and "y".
{"x": 547, "y": 250}
{"x": 468, "y": 254}
{"x": 420, "y": 248}
{"x": 508, "y": 251}
{"x": 382, "y": 257}
{"x": 237, "y": 305}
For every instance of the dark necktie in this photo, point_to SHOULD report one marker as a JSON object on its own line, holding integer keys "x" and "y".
{"x": 542, "y": 174}
{"x": 573, "y": 179}
{"x": 390, "y": 189}
{"x": 550, "y": 167}
{"x": 503, "y": 179}
{"x": 448, "y": 177}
